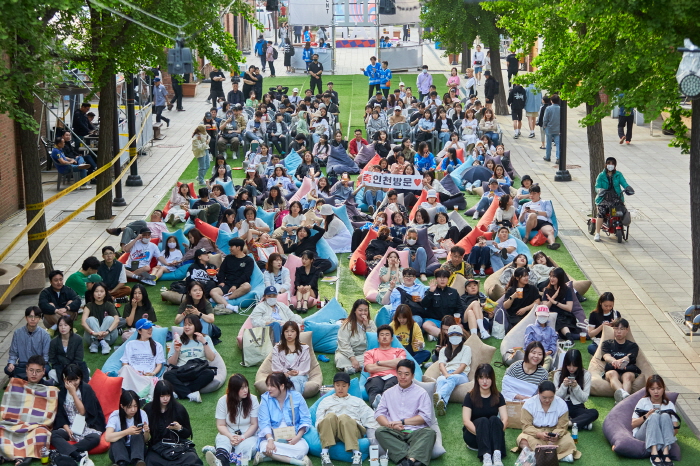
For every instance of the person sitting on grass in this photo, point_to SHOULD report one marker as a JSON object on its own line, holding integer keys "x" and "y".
{"x": 573, "y": 384}
{"x": 100, "y": 319}
{"x": 409, "y": 333}
{"x": 66, "y": 348}
{"x": 306, "y": 280}
{"x": 132, "y": 229}
{"x": 381, "y": 364}
{"x": 520, "y": 297}
{"x": 192, "y": 344}
{"x": 537, "y": 215}
{"x": 439, "y": 300}
{"x": 201, "y": 271}
{"x": 417, "y": 257}
{"x": 170, "y": 260}
{"x": 456, "y": 264}
{"x": 545, "y": 419}
{"x": 472, "y": 301}
{"x": 291, "y": 357}
{"x": 142, "y": 361}
{"x": 195, "y": 304}
{"x": 405, "y": 416}
{"x": 494, "y": 193}
{"x": 78, "y": 280}
{"x": 602, "y": 316}
{"x": 271, "y": 313}
{"x": 234, "y": 276}
{"x": 276, "y": 275}
{"x": 141, "y": 251}
{"x": 128, "y": 431}
{"x": 352, "y": 338}
{"x": 390, "y": 275}
{"x": 484, "y": 409}
{"x": 519, "y": 261}
{"x": 656, "y": 422}
{"x": 411, "y": 292}
{"x": 205, "y": 208}
{"x": 138, "y": 307}
{"x": 557, "y": 297}
{"x": 542, "y": 332}
{"x": 27, "y": 341}
{"x": 522, "y": 378}
{"x": 620, "y": 357}
{"x": 480, "y": 257}
{"x": 113, "y": 273}
{"x": 454, "y": 361}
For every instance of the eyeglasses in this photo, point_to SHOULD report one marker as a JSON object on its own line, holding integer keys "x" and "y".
{"x": 35, "y": 371}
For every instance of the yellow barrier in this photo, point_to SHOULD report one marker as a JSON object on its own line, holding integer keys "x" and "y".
{"x": 45, "y": 235}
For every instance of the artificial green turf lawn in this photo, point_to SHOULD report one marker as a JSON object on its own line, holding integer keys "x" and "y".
{"x": 352, "y": 91}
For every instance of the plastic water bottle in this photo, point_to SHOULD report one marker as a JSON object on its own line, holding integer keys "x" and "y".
{"x": 574, "y": 432}
{"x": 44, "y": 455}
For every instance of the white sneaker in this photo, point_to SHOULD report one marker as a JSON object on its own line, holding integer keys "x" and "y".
{"x": 484, "y": 335}
{"x": 105, "y": 347}
{"x": 376, "y": 401}
{"x": 307, "y": 461}
{"x": 497, "y": 458}
{"x": 431, "y": 338}
{"x": 620, "y": 394}
{"x": 487, "y": 460}
{"x": 597, "y": 237}
{"x": 357, "y": 459}
{"x": 350, "y": 370}
{"x": 195, "y": 397}
{"x": 568, "y": 458}
{"x": 93, "y": 347}
{"x": 476, "y": 215}
{"x": 212, "y": 460}
{"x": 326, "y": 459}
{"x": 259, "y": 458}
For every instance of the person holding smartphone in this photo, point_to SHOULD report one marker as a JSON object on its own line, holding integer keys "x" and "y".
{"x": 573, "y": 384}
{"x": 545, "y": 419}
{"x": 127, "y": 431}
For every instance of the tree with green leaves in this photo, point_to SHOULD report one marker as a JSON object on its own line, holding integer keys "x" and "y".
{"x": 110, "y": 37}
{"x": 455, "y": 22}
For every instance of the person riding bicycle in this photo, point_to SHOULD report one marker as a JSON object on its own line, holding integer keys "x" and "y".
{"x": 609, "y": 179}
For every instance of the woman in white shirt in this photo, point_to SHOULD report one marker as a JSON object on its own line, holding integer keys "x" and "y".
{"x": 252, "y": 227}
{"x": 229, "y": 224}
{"x": 573, "y": 384}
{"x": 352, "y": 338}
{"x": 127, "y": 431}
{"x": 276, "y": 275}
{"x": 337, "y": 234}
{"x": 237, "y": 423}
{"x": 179, "y": 204}
{"x": 439, "y": 229}
{"x": 142, "y": 361}
{"x": 454, "y": 361}
{"x": 504, "y": 213}
{"x": 655, "y": 421}
{"x": 291, "y": 357}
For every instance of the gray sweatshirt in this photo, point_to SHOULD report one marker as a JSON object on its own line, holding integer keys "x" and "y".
{"x": 25, "y": 345}
{"x": 551, "y": 120}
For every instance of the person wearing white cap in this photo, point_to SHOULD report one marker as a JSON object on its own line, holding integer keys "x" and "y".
{"x": 337, "y": 234}
{"x": 142, "y": 361}
{"x": 542, "y": 332}
{"x": 295, "y": 98}
{"x": 397, "y": 117}
{"x": 454, "y": 361}
{"x": 432, "y": 202}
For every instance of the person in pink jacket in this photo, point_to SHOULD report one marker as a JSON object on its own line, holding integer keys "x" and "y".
{"x": 291, "y": 357}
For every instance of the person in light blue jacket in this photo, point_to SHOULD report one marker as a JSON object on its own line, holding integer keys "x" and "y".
{"x": 533, "y": 98}
{"x": 385, "y": 78}
{"x": 306, "y": 54}
{"x": 425, "y": 160}
{"x": 281, "y": 404}
{"x": 372, "y": 72}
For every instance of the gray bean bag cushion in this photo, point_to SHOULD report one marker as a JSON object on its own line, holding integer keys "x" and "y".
{"x": 339, "y": 162}
{"x": 364, "y": 155}
{"x": 618, "y": 430}
{"x": 456, "y": 195}
{"x": 432, "y": 262}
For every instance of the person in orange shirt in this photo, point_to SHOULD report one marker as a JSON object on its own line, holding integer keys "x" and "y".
{"x": 381, "y": 364}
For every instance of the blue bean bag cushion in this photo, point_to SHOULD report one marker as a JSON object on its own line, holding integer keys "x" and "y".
{"x": 457, "y": 173}
{"x": 618, "y": 431}
{"x": 267, "y": 217}
{"x": 228, "y": 187}
{"x": 113, "y": 363}
{"x": 337, "y": 452}
{"x": 342, "y": 213}
{"x": 372, "y": 343}
{"x": 383, "y": 316}
{"x": 257, "y": 288}
{"x": 449, "y": 184}
{"x": 178, "y": 274}
{"x": 291, "y": 162}
{"x": 339, "y": 162}
{"x": 324, "y": 326}
{"x": 182, "y": 240}
{"x": 189, "y": 224}
{"x": 555, "y": 224}
{"x": 223, "y": 238}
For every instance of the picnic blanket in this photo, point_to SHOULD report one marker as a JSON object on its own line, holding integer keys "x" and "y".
{"x": 26, "y": 415}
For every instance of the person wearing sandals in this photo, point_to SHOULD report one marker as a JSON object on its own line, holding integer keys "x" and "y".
{"x": 306, "y": 282}
{"x": 655, "y": 421}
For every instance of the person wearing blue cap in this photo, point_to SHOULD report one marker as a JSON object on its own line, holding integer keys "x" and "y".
{"x": 142, "y": 361}
{"x": 270, "y": 313}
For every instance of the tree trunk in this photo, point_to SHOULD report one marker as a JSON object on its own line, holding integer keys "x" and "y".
{"x": 695, "y": 197}
{"x": 500, "y": 104}
{"x": 33, "y": 194}
{"x": 105, "y": 150}
{"x": 596, "y": 149}
{"x": 466, "y": 57}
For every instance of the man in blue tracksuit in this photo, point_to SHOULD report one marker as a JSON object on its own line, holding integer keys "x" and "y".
{"x": 385, "y": 78}
{"x": 372, "y": 72}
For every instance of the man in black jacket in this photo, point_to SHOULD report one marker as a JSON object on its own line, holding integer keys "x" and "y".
{"x": 513, "y": 65}
{"x": 439, "y": 301}
{"x": 235, "y": 96}
{"x": 516, "y": 100}
{"x": 176, "y": 81}
{"x": 234, "y": 276}
{"x": 490, "y": 88}
{"x": 81, "y": 125}
{"x": 58, "y": 300}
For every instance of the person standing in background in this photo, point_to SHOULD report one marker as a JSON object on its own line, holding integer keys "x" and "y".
{"x": 478, "y": 62}
{"x": 160, "y": 95}
{"x": 406, "y": 32}
{"x": 372, "y": 72}
{"x": 385, "y": 78}
{"x": 315, "y": 72}
{"x": 297, "y": 34}
{"x": 270, "y": 57}
{"x": 625, "y": 118}
{"x": 513, "y": 65}
{"x": 423, "y": 83}
{"x": 532, "y": 107}
{"x": 216, "y": 91}
{"x": 176, "y": 83}
{"x": 260, "y": 47}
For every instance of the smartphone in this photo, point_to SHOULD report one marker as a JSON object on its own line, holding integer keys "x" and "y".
{"x": 140, "y": 426}
{"x": 551, "y": 434}
{"x": 571, "y": 377}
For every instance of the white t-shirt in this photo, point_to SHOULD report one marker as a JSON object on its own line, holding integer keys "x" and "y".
{"x": 115, "y": 423}
{"x": 289, "y": 221}
{"x": 464, "y": 357}
{"x": 138, "y": 355}
{"x": 259, "y": 223}
{"x": 144, "y": 253}
{"x": 241, "y": 423}
{"x": 175, "y": 255}
{"x": 646, "y": 405}
{"x": 538, "y": 206}
{"x": 192, "y": 350}
{"x": 510, "y": 242}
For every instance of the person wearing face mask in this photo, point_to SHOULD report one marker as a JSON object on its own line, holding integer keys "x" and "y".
{"x": 418, "y": 258}
{"x": 542, "y": 332}
{"x": 454, "y": 361}
{"x": 423, "y": 83}
{"x": 379, "y": 246}
{"x": 170, "y": 260}
{"x": 315, "y": 72}
{"x": 609, "y": 179}
{"x": 141, "y": 251}
{"x": 270, "y": 313}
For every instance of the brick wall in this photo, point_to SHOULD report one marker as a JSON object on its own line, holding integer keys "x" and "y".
{"x": 10, "y": 170}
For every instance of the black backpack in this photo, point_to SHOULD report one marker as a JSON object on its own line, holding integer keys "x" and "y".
{"x": 275, "y": 53}
{"x": 179, "y": 287}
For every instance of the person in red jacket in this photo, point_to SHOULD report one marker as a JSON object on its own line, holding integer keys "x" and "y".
{"x": 356, "y": 144}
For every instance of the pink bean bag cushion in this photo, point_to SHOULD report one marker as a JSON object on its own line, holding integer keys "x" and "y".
{"x": 372, "y": 282}
{"x": 358, "y": 264}
{"x": 304, "y": 189}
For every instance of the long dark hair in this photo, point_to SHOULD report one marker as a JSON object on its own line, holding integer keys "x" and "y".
{"x": 517, "y": 274}
{"x": 450, "y": 353}
{"x": 163, "y": 387}
{"x": 606, "y": 296}
{"x": 226, "y": 213}
{"x": 656, "y": 379}
{"x": 145, "y": 300}
{"x": 89, "y": 293}
{"x": 194, "y": 320}
{"x": 447, "y": 321}
{"x": 277, "y": 200}
{"x": 572, "y": 358}
{"x": 72, "y": 372}
{"x": 150, "y": 340}
{"x": 403, "y": 310}
{"x": 560, "y": 275}
{"x": 166, "y": 249}
{"x": 484, "y": 371}
{"x": 283, "y": 342}
{"x": 548, "y": 261}
{"x": 352, "y": 318}
{"x": 233, "y": 403}
{"x": 68, "y": 320}
{"x": 128, "y": 397}
{"x": 202, "y": 305}
{"x": 279, "y": 380}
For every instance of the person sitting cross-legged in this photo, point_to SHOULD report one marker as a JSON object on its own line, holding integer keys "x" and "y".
{"x": 346, "y": 418}
{"x": 620, "y": 357}
{"x": 234, "y": 275}
{"x": 271, "y": 313}
{"x": 404, "y": 414}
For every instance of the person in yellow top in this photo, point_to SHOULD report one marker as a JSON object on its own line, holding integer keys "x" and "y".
{"x": 409, "y": 333}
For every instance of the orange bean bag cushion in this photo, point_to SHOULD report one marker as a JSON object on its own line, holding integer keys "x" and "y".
{"x": 207, "y": 230}
{"x": 193, "y": 192}
{"x": 358, "y": 263}
{"x": 460, "y": 155}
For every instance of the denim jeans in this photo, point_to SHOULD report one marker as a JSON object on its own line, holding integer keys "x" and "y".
{"x": 497, "y": 262}
{"x": 549, "y": 138}
{"x": 276, "y": 331}
{"x": 479, "y": 257}
{"x": 483, "y": 204}
{"x": 96, "y": 327}
{"x": 250, "y": 137}
{"x": 493, "y": 136}
{"x": 299, "y": 381}
{"x": 372, "y": 198}
{"x": 420, "y": 261}
{"x": 203, "y": 167}
{"x": 445, "y": 385}
{"x": 444, "y": 136}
